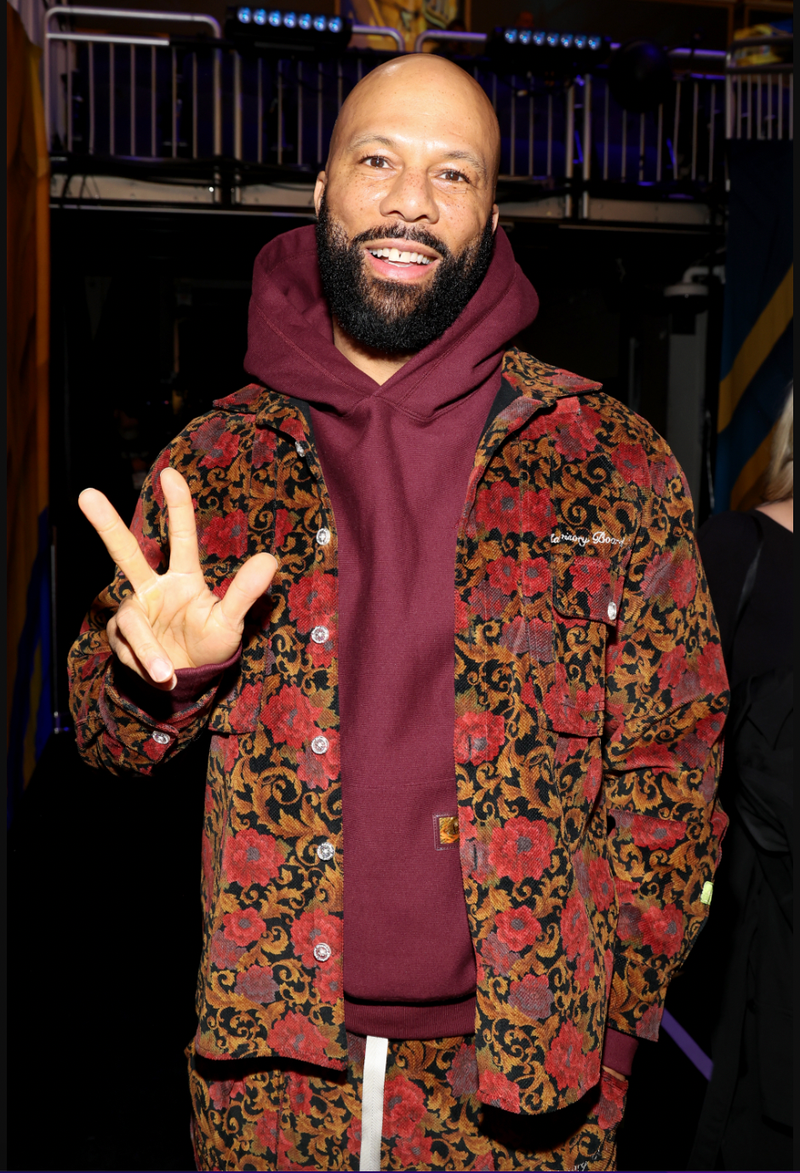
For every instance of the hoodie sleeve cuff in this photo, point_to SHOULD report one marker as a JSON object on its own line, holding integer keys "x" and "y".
{"x": 162, "y": 706}
{"x": 618, "y": 1051}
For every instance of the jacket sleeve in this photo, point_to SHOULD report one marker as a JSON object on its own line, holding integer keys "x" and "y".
{"x": 120, "y": 725}
{"x": 666, "y": 698}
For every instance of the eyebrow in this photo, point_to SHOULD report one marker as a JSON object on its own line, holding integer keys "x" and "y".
{"x": 465, "y": 156}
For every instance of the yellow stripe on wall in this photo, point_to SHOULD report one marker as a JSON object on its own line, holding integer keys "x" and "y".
{"x": 771, "y": 323}
{"x": 745, "y": 493}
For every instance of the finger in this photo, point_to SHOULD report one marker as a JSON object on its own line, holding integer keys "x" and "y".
{"x": 249, "y": 583}
{"x": 134, "y": 627}
{"x": 120, "y": 648}
{"x": 183, "y": 554}
{"x": 124, "y": 654}
{"x": 116, "y": 537}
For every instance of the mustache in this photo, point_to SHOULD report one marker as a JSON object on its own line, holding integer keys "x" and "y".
{"x": 405, "y": 232}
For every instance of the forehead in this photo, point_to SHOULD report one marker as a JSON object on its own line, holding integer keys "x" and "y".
{"x": 413, "y": 108}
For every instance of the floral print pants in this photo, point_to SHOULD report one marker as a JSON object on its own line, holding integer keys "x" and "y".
{"x": 284, "y": 1115}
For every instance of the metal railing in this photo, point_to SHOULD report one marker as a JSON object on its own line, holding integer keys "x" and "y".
{"x": 134, "y": 43}
{"x": 178, "y": 78}
{"x": 759, "y": 97}
{"x": 583, "y": 130}
{"x": 380, "y": 30}
{"x": 272, "y": 110}
{"x": 455, "y": 38}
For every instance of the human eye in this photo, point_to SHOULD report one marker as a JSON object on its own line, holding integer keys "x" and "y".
{"x": 378, "y": 162}
{"x": 451, "y": 175}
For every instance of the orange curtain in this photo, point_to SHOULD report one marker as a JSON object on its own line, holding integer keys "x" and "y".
{"x": 29, "y": 711}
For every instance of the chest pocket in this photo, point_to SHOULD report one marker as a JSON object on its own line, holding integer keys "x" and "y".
{"x": 587, "y": 597}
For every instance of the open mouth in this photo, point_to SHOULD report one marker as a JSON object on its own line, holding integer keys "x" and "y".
{"x": 397, "y": 256}
{"x": 402, "y": 261}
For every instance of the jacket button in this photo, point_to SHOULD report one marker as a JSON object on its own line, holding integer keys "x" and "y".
{"x": 161, "y": 738}
{"x": 299, "y": 449}
{"x": 322, "y": 951}
{"x": 612, "y": 611}
{"x": 325, "y": 851}
{"x": 320, "y": 635}
{"x": 323, "y": 536}
{"x": 320, "y": 744}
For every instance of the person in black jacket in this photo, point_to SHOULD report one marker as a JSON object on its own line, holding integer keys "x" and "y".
{"x": 746, "y": 1122}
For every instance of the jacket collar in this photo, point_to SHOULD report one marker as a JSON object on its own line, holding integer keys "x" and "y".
{"x": 524, "y": 378}
{"x": 533, "y": 379}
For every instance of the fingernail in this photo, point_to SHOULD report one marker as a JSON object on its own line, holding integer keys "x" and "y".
{"x": 160, "y": 670}
{"x": 173, "y": 682}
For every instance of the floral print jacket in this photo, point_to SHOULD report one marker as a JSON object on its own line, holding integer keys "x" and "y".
{"x": 590, "y": 699}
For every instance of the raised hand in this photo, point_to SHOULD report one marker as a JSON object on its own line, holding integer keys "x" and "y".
{"x": 173, "y": 620}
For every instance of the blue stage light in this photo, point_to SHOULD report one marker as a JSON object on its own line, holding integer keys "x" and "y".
{"x": 564, "y": 55}
{"x": 303, "y": 32}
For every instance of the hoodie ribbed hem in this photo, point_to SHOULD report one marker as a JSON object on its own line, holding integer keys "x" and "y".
{"x": 441, "y": 1021}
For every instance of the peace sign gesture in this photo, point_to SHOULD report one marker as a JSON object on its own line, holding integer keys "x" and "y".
{"x": 173, "y": 620}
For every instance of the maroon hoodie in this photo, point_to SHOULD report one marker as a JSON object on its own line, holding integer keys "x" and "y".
{"x": 396, "y": 459}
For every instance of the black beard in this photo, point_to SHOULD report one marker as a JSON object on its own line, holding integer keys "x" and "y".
{"x": 389, "y": 316}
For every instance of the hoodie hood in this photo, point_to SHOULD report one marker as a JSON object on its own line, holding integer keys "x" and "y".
{"x": 290, "y": 334}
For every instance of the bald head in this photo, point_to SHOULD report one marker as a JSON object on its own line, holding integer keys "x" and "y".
{"x": 432, "y": 96}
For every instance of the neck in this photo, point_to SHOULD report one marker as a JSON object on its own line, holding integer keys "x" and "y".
{"x": 375, "y": 363}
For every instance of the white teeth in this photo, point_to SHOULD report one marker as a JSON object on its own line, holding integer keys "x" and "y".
{"x": 403, "y": 258}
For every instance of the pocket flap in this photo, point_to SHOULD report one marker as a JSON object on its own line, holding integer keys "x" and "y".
{"x": 587, "y": 586}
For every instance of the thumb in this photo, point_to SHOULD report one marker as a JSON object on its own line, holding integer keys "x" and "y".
{"x": 248, "y": 584}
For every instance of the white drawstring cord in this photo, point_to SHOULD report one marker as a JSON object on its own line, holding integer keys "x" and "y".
{"x": 372, "y": 1103}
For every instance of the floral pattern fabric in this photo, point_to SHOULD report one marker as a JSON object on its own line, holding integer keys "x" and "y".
{"x": 590, "y": 699}
{"x": 287, "y": 1116}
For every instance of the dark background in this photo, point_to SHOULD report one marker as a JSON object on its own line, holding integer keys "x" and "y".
{"x": 148, "y": 327}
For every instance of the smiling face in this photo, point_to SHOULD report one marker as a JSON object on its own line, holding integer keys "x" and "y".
{"x": 406, "y": 203}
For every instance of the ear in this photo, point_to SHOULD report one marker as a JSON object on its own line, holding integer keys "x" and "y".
{"x": 319, "y": 190}
{"x": 495, "y": 217}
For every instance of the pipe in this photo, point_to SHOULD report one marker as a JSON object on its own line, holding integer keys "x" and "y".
{"x": 444, "y": 35}
{"x": 380, "y": 30}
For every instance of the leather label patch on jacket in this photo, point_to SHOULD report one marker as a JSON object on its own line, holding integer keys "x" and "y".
{"x": 445, "y": 831}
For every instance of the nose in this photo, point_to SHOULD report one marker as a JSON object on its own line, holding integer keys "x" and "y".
{"x": 411, "y": 197}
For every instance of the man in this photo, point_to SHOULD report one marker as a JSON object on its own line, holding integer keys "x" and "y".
{"x": 518, "y": 785}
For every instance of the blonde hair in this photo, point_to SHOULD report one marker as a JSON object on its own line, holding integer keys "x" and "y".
{"x": 779, "y": 482}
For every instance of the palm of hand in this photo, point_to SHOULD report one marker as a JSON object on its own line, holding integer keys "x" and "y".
{"x": 173, "y": 620}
